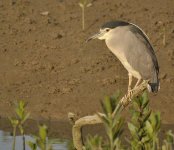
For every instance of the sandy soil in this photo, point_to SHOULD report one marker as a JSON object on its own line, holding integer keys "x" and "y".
{"x": 45, "y": 61}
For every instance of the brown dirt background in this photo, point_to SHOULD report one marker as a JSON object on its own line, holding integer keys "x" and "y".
{"x": 45, "y": 61}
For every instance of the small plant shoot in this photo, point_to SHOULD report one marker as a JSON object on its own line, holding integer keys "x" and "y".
{"x": 41, "y": 141}
{"x": 83, "y": 4}
{"x": 18, "y": 121}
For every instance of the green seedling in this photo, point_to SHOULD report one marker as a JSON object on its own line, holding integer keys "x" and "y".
{"x": 113, "y": 122}
{"x": 83, "y": 4}
{"x": 168, "y": 143}
{"x": 40, "y": 140}
{"x": 18, "y": 121}
{"x": 22, "y": 116}
{"x": 94, "y": 142}
{"x": 14, "y": 124}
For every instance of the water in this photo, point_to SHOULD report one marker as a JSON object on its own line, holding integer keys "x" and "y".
{"x": 6, "y": 141}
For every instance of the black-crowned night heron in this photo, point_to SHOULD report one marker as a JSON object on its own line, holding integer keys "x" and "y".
{"x": 132, "y": 47}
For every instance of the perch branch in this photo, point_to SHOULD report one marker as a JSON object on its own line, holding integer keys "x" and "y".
{"x": 137, "y": 91}
{"x": 95, "y": 119}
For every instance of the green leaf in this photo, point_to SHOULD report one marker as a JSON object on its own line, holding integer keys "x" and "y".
{"x": 84, "y": 3}
{"x": 164, "y": 147}
{"x": 32, "y": 145}
{"x": 89, "y": 5}
{"x": 81, "y": 5}
{"x": 144, "y": 98}
{"x": 136, "y": 106}
{"x": 104, "y": 119}
{"x": 145, "y": 104}
{"x": 106, "y": 105}
{"x": 21, "y": 129}
{"x": 19, "y": 113}
{"x": 138, "y": 101}
{"x": 133, "y": 129}
{"x": 93, "y": 142}
{"x": 146, "y": 139}
{"x": 170, "y": 137}
{"x": 158, "y": 121}
{"x": 155, "y": 121}
{"x": 25, "y": 118}
{"x": 43, "y": 132}
{"x": 149, "y": 128}
{"x": 14, "y": 122}
{"x": 146, "y": 117}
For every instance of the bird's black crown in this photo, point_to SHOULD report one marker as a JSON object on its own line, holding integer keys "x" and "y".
{"x": 114, "y": 24}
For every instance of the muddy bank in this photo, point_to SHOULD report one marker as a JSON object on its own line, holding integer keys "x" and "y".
{"x": 45, "y": 61}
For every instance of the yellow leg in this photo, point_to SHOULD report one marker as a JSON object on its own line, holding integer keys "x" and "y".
{"x": 138, "y": 82}
{"x": 130, "y": 82}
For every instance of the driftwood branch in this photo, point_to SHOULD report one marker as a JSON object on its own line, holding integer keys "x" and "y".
{"x": 76, "y": 131}
{"x": 95, "y": 119}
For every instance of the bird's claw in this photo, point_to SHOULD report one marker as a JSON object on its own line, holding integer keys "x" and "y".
{"x": 127, "y": 97}
{"x": 130, "y": 92}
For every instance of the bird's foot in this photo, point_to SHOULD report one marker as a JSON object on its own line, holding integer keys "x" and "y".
{"x": 127, "y": 98}
{"x": 130, "y": 92}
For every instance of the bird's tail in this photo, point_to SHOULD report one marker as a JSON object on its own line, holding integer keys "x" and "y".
{"x": 154, "y": 84}
{"x": 153, "y": 87}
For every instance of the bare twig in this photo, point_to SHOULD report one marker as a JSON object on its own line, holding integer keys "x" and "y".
{"x": 95, "y": 119}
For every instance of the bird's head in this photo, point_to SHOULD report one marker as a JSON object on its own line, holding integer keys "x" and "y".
{"x": 106, "y": 30}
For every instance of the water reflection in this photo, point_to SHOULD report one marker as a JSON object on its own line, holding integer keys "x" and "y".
{"x": 6, "y": 141}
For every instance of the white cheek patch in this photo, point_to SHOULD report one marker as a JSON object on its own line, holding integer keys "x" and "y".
{"x": 105, "y": 36}
{"x": 102, "y": 38}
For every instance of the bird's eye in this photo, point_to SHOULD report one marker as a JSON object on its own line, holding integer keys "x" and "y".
{"x": 107, "y": 30}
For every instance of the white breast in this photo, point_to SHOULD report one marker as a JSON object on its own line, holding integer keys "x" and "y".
{"x": 123, "y": 60}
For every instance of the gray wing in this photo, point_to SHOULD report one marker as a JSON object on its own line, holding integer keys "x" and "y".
{"x": 141, "y": 55}
{"x": 143, "y": 38}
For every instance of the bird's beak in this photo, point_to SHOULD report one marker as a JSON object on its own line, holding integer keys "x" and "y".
{"x": 95, "y": 36}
